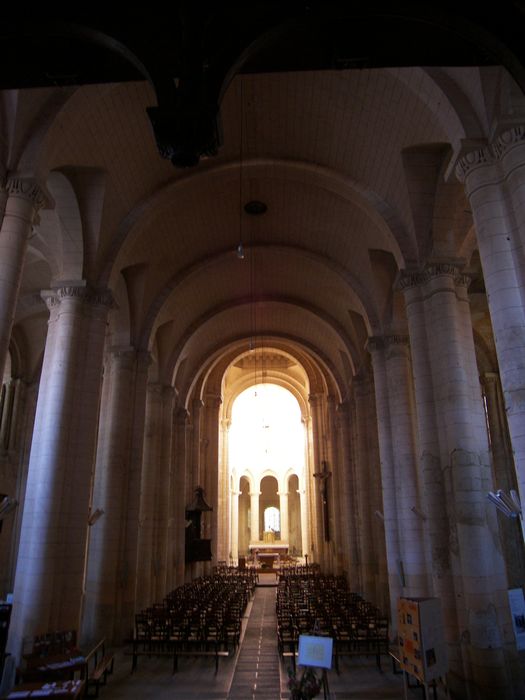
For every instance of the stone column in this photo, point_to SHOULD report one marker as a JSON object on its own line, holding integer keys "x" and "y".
{"x": 255, "y": 534}
{"x": 366, "y": 561}
{"x": 212, "y": 407}
{"x": 494, "y": 178}
{"x": 7, "y": 414}
{"x": 123, "y": 393}
{"x": 162, "y": 498}
{"x": 333, "y": 487}
{"x": 447, "y": 385}
{"x": 179, "y": 458}
{"x": 235, "y": 526}
{"x": 25, "y": 199}
{"x": 504, "y": 476}
{"x": 316, "y": 524}
{"x": 303, "y": 502}
{"x": 283, "y": 507}
{"x": 225, "y": 502}
{"x": 51, "y": 562}
{"x": 347, "y": 498}
{"x": 413, "y": 569}
{"x": 388, "y": 480}
{"x": 148, "y": 489}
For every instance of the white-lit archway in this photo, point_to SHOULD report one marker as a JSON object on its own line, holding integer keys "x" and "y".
{"x": 267, "y": 455}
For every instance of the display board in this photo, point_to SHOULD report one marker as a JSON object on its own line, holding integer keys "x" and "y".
{"x": 422, "y": 648}
{"x": 315, "y": 651}
{"x": 517, "y": 611}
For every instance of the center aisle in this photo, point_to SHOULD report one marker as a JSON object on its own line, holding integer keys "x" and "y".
{"x": 256, "y": 674}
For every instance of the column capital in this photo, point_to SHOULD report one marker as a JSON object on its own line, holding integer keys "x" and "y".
{"x": 488, "y": 378}
{"x": 196, "y": 405}
{"x": 155, "y": 388}
{"x": 30, "y": 189}
{"x": 432, "y": 270}
{"x": 507, "y": 140}
{"x": 92, "y": 297}
{"x": 478, "y": 156}
{"x": 181, "y": 416}
{"x": 374, "y": 344}
{"x": 213, "y": 400}
{"x": 343, "y": 408}
{"x": 482, "y": 155}
{"x": 123, "y": 356}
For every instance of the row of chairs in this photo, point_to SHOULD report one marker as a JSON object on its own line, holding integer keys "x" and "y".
{"x": 203, "y": 617}
{"x": 323, "y": 605}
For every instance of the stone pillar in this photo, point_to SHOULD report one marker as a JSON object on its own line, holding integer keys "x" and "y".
{"x": 283, "y": 507}
{"x": 366, "y": 562}
{"x": 148, "y": 487}
{"x": 235, "y": 526}
{"x": 333, "y": 489}
{"x": 412, "y": 564}
{"x": 388, "y": 480}
{"x": 225, "y": 498}
{"x": 51, "y": 562}
{"x": 432, "y": 473}
{"x": 316, "y": 523}
{"x": 7, "y": 414}
{"x": 494, "y": 178}
{"x": 163, "y": 496}
{"x": 255, "y": 534}
{"x": 123, "y": 395}
{"x": 449, "y": 403}
{"x": 303, "y": 502}
{"x": 347, "y": 498}
{"x": 504, "y": 476}
{"x": 25, "y": 199}
{"x": 181, "y": 443}
{"x": 212, "y": 405}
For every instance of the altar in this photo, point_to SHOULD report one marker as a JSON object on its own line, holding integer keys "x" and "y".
{"x": 268, "y": 552}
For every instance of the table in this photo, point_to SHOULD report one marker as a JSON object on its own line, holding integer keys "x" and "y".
{"x": 55, "y": 667}
{"x": 68, "y": 690}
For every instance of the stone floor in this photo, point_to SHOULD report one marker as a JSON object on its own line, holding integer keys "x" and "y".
{"x": 254, "y": 673}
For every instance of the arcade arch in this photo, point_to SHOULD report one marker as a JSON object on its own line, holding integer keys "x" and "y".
{"x": 267, "y": 444}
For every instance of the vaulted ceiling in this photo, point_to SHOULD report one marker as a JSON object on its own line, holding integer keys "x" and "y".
{"x": 352, "y": 161}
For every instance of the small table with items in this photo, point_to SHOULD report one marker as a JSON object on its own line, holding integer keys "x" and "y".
{"x": 68, "y": 690}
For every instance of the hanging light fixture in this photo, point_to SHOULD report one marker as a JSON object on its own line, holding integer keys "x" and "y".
{"x": 240, "y": 247}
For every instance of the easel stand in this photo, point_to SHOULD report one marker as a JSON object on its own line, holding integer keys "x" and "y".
{"x": 326, "y": 690}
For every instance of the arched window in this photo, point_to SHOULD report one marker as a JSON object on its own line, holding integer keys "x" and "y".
{"x": 272, "y": 519}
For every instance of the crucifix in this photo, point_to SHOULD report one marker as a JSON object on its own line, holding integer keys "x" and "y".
{"x": 323, "y": 478}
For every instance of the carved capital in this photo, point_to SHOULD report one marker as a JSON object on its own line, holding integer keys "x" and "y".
{"x": 489, "y": 378}
{"x": 343, "y": 409}
{"x": 487, "y": 155}
{"x": 213, "y": 401}
{"x": 181, "y": 416}
{"x": 29, "y": 189}
{"x": 168, "y": 392}
{"x": 507, "y": 140}
{"x": 441, "y": 269}
{"x": 93, "y": 297}
{"x": 472, "y": 160}
{"x": 155, "y": 389}
{"x": 375, "y": 343}
{"x": 396, "y": 340}
{"x": 407, "y": 280}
